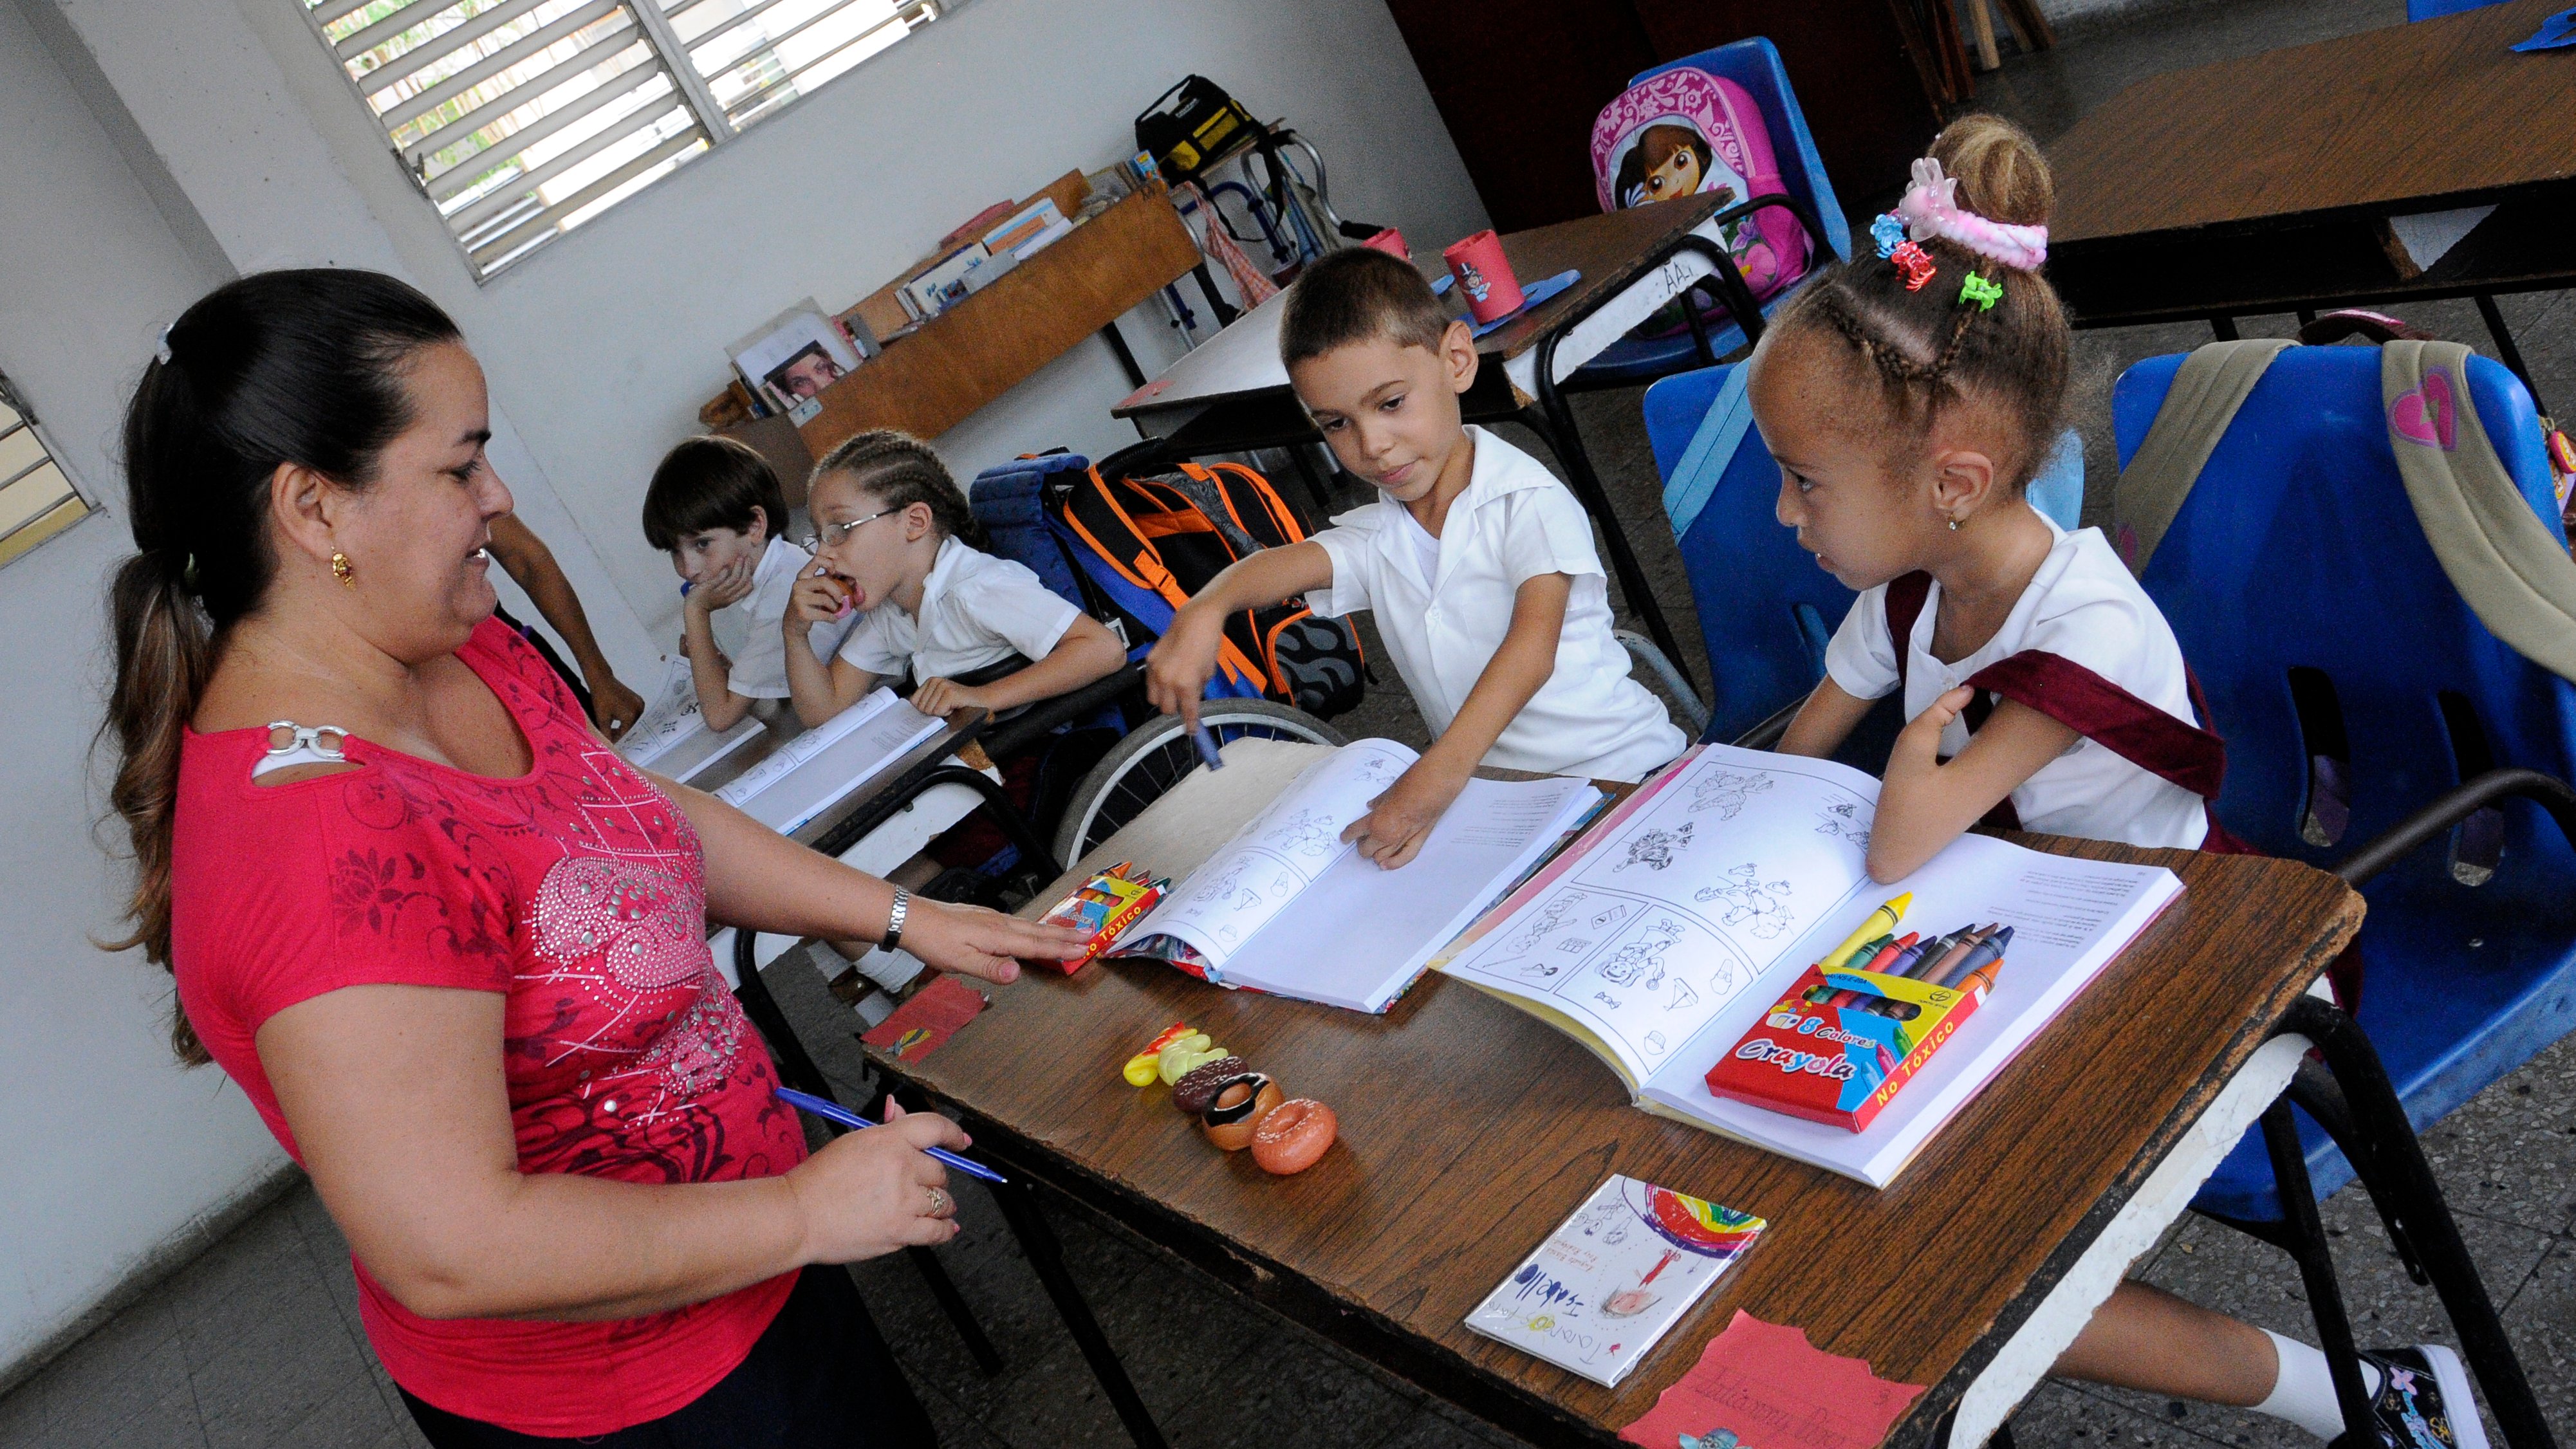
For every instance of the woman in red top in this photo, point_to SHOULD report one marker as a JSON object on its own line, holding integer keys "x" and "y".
{"x": 452, "y": 946}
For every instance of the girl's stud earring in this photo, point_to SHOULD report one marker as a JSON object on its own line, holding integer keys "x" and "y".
{"x": 1954, "y": 525}
{"x": 348, "y": 576}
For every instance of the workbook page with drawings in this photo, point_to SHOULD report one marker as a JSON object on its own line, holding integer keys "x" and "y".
{"x": 1677, "y": 903}
{"x": 1662, "y": 936}
{"x": 1288, "y": 907}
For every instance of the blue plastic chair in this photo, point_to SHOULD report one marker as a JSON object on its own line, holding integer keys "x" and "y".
{"x": 1755, "y": 65}
{"x": 2428, "y": 9}
{"x": 2447, "y": 744}
{"x": 1765, "y": 609}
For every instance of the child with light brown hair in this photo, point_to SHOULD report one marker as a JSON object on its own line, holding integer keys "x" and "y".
{"x": 1908, "y": 398}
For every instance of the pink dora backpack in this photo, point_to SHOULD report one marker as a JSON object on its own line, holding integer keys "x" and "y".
{"x": 1684, "y": 131}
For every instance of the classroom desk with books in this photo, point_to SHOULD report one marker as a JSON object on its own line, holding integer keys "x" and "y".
{"x": 1469, "y": 1130}
{"x": 1230, "y": 394}
{"x": 2293, "y": 179}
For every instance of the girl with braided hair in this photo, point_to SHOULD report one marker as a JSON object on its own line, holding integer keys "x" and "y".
{"x": 895, "y": 543}
{"x": 1908, "y": 398}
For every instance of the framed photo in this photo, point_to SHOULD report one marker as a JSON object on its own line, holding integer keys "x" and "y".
{"x": 793, "y": 357}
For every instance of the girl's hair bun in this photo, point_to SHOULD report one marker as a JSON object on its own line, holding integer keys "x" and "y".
{"x": 2002, "y": 175}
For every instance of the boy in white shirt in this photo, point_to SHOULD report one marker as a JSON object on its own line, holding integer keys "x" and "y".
{"x": 1479, "y": 565}
{"x": 716, "y": 508}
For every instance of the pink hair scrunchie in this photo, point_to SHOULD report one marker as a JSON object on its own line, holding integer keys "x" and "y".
{"x": 1931, "y": 208}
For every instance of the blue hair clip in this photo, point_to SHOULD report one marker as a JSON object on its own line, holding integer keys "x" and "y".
{"x": 1888, "y": 231}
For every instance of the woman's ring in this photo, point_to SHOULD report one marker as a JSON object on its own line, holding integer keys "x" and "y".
{"x": 939, "y": 1202}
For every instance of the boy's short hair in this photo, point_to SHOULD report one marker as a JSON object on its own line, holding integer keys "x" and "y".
{"x": 710, "y": 482}
{"x": 1359, "y": 295}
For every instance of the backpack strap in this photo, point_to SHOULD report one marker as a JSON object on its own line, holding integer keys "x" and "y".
{"x": 1712, "y": 447}
{"x": 2110, "y": 716}
{"x": 2512, "y": 571}
{"x": 2213, "y": 383}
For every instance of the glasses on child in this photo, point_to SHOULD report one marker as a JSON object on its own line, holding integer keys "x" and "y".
{"x": 830, "y": 535}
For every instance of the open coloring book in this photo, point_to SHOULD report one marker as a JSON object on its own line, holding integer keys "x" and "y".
{"x": 671, "y": 738}
{"x": 1286, "y": 907}
{"x": 1669, "y": 929}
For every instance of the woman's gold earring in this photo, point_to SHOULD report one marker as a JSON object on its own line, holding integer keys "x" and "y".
{"x": 348, "y": 576}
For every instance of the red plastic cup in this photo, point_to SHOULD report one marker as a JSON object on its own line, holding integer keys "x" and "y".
{"x": 1481, "y": 272}
{"x": 1391, "y": 242}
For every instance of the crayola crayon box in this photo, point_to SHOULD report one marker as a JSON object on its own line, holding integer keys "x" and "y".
{"x": 1841, "y": 1044}
{"x": 1106, "y": 905}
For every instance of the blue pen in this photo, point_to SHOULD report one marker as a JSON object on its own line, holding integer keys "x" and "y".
{"x": 1207, "y": 747}
{"x": 835, "y": 1112}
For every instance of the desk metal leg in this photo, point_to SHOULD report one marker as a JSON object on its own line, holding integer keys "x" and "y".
{"x": 2384, "y": 1147}
{"x": 1126, "y": 359}
{"x": 1028, "y": 1222}
{"x": 2304, "y": 1238}
{"x": 1553, "y": 421}
{"x": 1225, "y": 313}
{"x": 2506, "y": 352}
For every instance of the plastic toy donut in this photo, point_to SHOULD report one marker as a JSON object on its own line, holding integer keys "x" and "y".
{"x": 1195, "y": 1090}
{"x": 1241, "y": 1107}
{"x": 1292, "y": 1137}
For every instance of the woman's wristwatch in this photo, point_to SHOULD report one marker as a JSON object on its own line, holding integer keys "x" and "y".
{"x": 894, "y": 920}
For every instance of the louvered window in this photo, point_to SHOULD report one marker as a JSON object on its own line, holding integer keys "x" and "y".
{"x": 37, "y": 500}
{"x": 522, "y": 119}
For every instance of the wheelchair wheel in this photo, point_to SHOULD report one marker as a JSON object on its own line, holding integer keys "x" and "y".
{"x": 1155, "y": 755}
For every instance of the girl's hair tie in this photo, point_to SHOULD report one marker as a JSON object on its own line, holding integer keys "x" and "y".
{"x": 1931, "y": 208}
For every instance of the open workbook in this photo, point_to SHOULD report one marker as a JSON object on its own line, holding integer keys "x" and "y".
{"x": 1670, "y": 928}
{"x": 808, "y": 773}
{"x": 671, "y": 737}
{"x": 1287, "y": 907}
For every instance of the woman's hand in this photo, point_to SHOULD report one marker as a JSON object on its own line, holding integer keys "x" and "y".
{"x": 973, "y": 941}
{"x": 728, "y": 585}
{"x": 868, "y": 1193}
{"x": 941, "y": 698}
{"x": 818, "y": 598}
{"x": 1400, "y": 820}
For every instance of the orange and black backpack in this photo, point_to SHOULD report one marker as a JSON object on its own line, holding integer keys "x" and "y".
{"x": 1138, "y": 545}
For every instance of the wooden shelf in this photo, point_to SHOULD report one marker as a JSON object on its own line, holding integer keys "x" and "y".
{"x": 990, "y": 342}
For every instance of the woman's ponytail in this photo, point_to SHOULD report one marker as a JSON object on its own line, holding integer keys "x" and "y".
{"x": 302, "y": 367}
{"x": 165, "y": 652}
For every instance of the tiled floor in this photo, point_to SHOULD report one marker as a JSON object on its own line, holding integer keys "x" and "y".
{"x": 257, "y": 1343}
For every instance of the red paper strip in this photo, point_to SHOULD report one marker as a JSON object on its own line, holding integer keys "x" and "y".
{"x": 1770, "y": 1388}
{"x": 929, "y": 1019}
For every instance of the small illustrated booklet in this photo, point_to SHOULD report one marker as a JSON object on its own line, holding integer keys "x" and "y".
{"x": 819, "y": 766}
{"x": 1615, "y": 1277}
{"x": 1289, "y": 908}
{"x": 1663, "y": 937}
{"x": 671, "y": 738}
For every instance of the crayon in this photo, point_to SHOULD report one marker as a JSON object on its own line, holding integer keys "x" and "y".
{"x": 1891, "y": 951}
{"x": 1880, "y": 922}
{"x": 1988, "y": 952}
{"x": 1206, "y": 742}
{"x": 1915, "y": 955}
{"x": 1964, "y": 943}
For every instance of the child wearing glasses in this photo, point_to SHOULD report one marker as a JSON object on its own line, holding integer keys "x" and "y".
{"x": 891, "y": 551}
{"x": 716, "y": 508}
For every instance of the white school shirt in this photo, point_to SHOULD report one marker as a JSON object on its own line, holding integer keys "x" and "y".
{"x": 975, "y": 610}
{"x": 760, "y": 663}
{"x": 1514, "y": 523}
{"x": 2083, "y": 606}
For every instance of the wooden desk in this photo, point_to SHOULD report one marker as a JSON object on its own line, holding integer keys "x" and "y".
{"x": 1469, "y": 1130}
{"x": 991, "y": 341}
{"x": 2266, "y": 184}
{"x": 1231, "y": 394}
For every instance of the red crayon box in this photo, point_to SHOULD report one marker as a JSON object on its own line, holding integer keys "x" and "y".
{"x": 1840, "y": 1044}
{"x": 1105, "y": 906}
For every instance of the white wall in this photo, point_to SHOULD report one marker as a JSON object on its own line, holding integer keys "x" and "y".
{"x": 248, "y": 150}
{"x": 114, "y": 1150}
{"x": 602, "y": 346}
